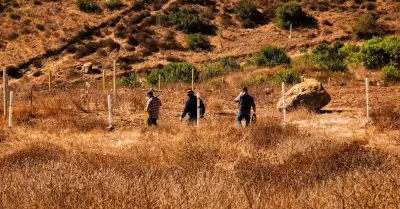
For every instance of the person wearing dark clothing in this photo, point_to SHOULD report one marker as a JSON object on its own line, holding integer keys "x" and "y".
{"x": 152, "y": 108}
{"x": 190, "y": 108}
{"x": 246, "y": 102}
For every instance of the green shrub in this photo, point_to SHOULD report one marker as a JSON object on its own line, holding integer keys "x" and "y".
{"x": 197, "y": 41}
{"x": 173, "y": 72}
{"x": 113, "y": 4}
{"x": 379, "y": 52}
{"x": 12, "y": 15}
{"x": 229, "y": 64}
{"x": 286, "y": 75}
{"x": 211, "y": 70}
{"x": 290, "y": 13}
{"x": 374, "y": 53}
{"x": 188, "y": 21}
{"x": 271, "y": 56}
{"x": 87, "y": 6}
{"x": 220, "y": 68}
{"x": 350, "y": 53}
{"x": 245, "y": 9}
{"x": 130, "y": 81}
{"x": 367, "y": 27}
{"x": 391, "y": 73}
{"x": 328, "y": 57}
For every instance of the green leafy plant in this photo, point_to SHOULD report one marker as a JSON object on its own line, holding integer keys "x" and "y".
{"x": 188, "y": 21}
{"x": 328, "y": 57}
{"x": 173, "y": 72}
{"x": 12, "y": 15}
{"x": 245, "y": 9}
{"x": 391, "y": 74}
{"x": 271, "y": 56}
{"x": 88, "y": 6}
{"x": 197, "y": 41}
{"x": 130, "y": 81}
{"x": 367, "y": 27}
{"x": 290, "y": 13}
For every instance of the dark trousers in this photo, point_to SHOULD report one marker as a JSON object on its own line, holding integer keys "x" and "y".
{"x": 152, "y": 121}
{"x": 192, "y": 120}
{"x": 240, "y": 117}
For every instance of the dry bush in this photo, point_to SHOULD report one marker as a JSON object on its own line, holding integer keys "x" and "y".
{"x": 386, "y": 117}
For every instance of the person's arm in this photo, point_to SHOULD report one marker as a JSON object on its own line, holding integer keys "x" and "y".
{"x": 186, "y": 109}
{"x": 147, "y": 105}
{"x": 238, "y": 97}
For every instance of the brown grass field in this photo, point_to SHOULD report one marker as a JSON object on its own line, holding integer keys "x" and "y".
{"x": 60, "y": 156}
{"x": 58, "y": 153}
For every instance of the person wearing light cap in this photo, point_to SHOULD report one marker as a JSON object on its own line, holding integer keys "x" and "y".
{"x": 246, "y": 102}
{"x": 191, "y": 108}
{"x": 152, "y": 108}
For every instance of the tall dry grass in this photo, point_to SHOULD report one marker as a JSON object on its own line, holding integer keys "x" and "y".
{"x": 60, "y": 156}
{"x": 214, "y": 166}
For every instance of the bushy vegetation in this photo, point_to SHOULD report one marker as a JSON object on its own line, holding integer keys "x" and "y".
{"x": 12, "y": 15}
{"x": 130, "y": 81}
{"x": 113, "y": 4}
{"x": 328, "y": 58}
{"x": 286, "y": 75}
{"x": 391, "y": 74}
{"x": 189, "y": 21}
{"x": 173, "y": 72}
{"x": 290, "y": 13}
{"x": 220, "y": 68}
{"x": 245, "y": 9}
{"x": 271, "y": 56}
{"x": 375, "y": 53}
{"x": 248, "y": 14}
{"x": 197, "y": 41}
{"x": 366, "y": 26}
{"x": 87, "y": 6}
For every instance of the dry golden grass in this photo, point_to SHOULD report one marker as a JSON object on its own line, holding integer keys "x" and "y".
{"x": 61, "y": 157}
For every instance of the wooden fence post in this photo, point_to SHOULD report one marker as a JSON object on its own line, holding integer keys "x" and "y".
{"x": 192, "y": 78}
{"x": 10, "y": 113}
{"x": 5, "y": 89}
{"x": 159, "y": 82}
{"x": 50, "y": 79}
{"x": 115, "y": 78}
{"x": 109, "y": 112}
{"x": 198, "y": 109}
{"x": 284, "y": 102}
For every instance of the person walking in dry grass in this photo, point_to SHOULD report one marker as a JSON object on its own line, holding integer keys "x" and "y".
{"x": 246, "y": 102}
{"x": 152, "y": 108}
{"x": 191, "y": 108}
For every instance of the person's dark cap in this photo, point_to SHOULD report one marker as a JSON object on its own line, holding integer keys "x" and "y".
{"x": 244, "y": 89}
{"x": 189, "y": 92}
{"x": 150, "y": 92}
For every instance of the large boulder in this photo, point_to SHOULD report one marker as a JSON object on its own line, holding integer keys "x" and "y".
{"x": 308, "y": 94}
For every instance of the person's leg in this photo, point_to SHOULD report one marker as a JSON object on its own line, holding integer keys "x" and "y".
{"x": 192, "y": 120}
{"x": 154, "y": 121}
{"x": 247, "y": 118}
{"x": 239, "y": 119}
{"x": 149, "y": 122}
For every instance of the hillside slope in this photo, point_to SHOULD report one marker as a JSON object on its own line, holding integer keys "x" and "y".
{"x": 57, "y": 36}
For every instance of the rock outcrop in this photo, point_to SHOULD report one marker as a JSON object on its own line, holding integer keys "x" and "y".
{"x": 309, "y": 94}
